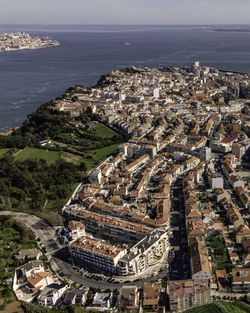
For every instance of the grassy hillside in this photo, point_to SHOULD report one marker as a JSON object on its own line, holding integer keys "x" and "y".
{"x": 40, "y": 180}
{"x": 37, "y": 154}
{"x": 69, "y": 133}
{"x": 103, "y": 131}
{"x": 3, "y": 151}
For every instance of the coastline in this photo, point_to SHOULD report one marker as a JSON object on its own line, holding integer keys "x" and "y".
{"x": 9, "y": 130}
{"x": 17, "y": 41}
{"x": 31, "y": 48}
{"x": 73, "y": 62}
{"x": 99, "y": 82}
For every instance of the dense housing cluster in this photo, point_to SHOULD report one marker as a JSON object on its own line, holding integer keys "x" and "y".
{"x": 189, "y": 130}
{"x": 176, "y": 195}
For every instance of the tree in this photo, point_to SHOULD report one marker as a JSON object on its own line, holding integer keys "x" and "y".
{"x": 82, "y": 166}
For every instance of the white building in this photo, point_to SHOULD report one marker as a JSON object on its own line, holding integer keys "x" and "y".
{"x": 97, "y": 254}
{"x": 148, "y": 252}
{"x": 96, "y": 175}
{"x": 102, "y": 301}
{"x": 156, "y": 93}
{"x": 129, "y": 297}
{"x": 32, "y": 268}
{"x": 216, "y": 181}
{"x": 51, "y": 294}
{"x": 76, "y": 230}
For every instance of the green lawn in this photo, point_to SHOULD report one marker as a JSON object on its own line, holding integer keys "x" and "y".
{"x": 103, "y": 131}
{"x": 34, "y": 153}
{"x": 102, "y": 153}
{"x": 3, "y": 151}
{"x": 210, "y": 308}
{"x": 99, "y": 155}
{"x": 70, "y": 157}
{"x": 53, "y": 156}
{"x": 230, "y": 308}
{"x": 222, "y": 307}
{"x": 47, "y": 155}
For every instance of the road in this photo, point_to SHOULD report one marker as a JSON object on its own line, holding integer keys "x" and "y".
{"x": 180, "y": 260}
{"x": 76, "y": 277}
{"x": 42, "y": 230}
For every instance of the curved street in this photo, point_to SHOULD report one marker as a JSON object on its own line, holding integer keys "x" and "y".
{"x": 43, "y": 231}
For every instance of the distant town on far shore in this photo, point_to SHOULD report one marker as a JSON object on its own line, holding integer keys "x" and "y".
{"x": 23, "y": 41}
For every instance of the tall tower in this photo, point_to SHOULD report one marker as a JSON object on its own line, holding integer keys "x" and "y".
{"x": 196, "y": 64}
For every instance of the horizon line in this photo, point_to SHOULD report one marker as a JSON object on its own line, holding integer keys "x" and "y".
{"x": 69, "y": 24}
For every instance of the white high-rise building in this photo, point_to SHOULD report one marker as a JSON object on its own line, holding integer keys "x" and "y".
{"x": 196, "y": 64}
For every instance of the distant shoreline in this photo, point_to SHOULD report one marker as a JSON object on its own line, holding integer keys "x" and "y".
{"x": 30, "y": 48}
{"x": 231, "y": 30}
{"x": 17, "y": 41}
{"x": 77, "y": 61}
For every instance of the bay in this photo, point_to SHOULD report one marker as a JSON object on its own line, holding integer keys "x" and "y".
{"x": 31, "y": 77}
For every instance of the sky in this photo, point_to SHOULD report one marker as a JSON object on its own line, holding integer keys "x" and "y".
{"x": 128, "y": 12}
